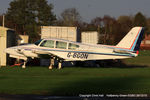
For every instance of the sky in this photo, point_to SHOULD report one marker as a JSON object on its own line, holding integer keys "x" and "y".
{"x": 90, "y": 9}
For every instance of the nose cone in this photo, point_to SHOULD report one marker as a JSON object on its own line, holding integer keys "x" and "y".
{"x": 8, "y": 50}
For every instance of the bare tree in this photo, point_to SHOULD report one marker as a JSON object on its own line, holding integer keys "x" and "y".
{"x": 70, "y": 17}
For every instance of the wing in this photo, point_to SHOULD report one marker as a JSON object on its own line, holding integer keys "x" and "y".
{"x": 46, "y": 54}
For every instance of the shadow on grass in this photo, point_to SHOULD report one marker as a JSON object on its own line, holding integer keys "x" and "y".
{"x": 133, "y": 66}
{"x": 109, "y": 64}
{"x": 107, "y": 85}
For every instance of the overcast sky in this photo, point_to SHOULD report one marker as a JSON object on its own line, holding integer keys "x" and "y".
{"x": 90, "y": 9}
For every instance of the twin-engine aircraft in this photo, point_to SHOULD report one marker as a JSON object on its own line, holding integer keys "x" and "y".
{"x": 64, "y": 50}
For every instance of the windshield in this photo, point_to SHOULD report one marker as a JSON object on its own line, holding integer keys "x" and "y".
{"x": 38, "y": 42}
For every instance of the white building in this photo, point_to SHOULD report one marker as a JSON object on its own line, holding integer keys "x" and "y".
{"x": 90, "y": 37}
{"x": 7, "y": 39}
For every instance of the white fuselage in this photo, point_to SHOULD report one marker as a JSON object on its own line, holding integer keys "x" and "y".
{"x": 61, "y": 50}
{"x": 82, "y": 53}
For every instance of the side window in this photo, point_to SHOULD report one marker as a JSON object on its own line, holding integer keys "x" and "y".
{"x": 73, "y": 46}
{"x": 47, "y": 43}
{"x": 61, "y": 45}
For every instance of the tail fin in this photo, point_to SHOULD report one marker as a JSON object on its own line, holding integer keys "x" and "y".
{"x": 132, "y": 40}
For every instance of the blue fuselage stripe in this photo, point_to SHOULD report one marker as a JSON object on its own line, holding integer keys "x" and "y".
{"x": 113, "y": 54}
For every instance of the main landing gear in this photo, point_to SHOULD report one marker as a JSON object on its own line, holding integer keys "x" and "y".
{"x": 24, "y": 64}
{"x": 52, "y": 63}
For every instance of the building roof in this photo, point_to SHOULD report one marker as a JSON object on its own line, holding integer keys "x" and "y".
{"x": 5, "y": 28}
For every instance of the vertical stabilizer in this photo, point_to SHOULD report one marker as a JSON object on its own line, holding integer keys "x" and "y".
{"x": 132, "y": 40}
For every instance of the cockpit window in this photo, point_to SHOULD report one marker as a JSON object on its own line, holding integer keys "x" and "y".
{"x": 73, "y": 46}
{"x": 61, "y": 45}
{"x": 47, "y": 43}
{"x": 38, "y": 42}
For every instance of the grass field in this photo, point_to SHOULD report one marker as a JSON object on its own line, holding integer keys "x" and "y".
{"x": 143, "y": 59}
{"x": 74, "y": 81}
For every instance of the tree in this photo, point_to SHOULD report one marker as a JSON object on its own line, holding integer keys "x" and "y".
{"x": 148, "y": 26}
{"x": 109, "y": 25}
{"x": 28, "y": 15}
{"x": 97, "y": 21}
{"x": 70, "y": 17}
{"x": 126, "y": 21}
{"x": 139, "y": 20}
{"x": 1, "y": 20}
{"x": 45, "y": 15}
{"x": 107, "y": 28}
{"x": 125, "y": 24}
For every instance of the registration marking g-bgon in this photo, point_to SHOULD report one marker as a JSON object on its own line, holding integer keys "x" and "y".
{"x": 77, "y": 55}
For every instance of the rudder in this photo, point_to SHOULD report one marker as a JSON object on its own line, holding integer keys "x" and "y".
{"x": 132, "y": 40}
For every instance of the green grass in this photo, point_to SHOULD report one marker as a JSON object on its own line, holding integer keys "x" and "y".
{"x": 143, "y": 59}
{"x": 75, "y": 81}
